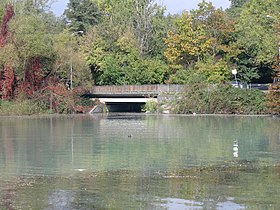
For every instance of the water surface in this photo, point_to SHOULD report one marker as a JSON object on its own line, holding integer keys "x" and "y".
{"x": 127, "y": 161}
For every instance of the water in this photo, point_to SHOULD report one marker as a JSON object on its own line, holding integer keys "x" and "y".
{"x": 126, "y": 161}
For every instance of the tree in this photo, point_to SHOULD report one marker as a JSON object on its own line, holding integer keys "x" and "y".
{"x": 67, "y": 55}
{"x": 122, "y": 48}
{"x": 27, "y": 7}
{"x": 215, "y": 71}
{"x": 257, "y": 39}
{"x": 7, "y": 72}
{"x": 121, "y": 63}
{"x": 30, "y": 38}
{"x": 82, "y": 14}
{"x": 145, "y": 19}
{"x": 201, "y": 43}
{"x": 217, "y": 25}
{"x": 2, "y": 9}
{"x": 236, "y": 7}
{"x": 188, "y": 43}
{"x": 147, "y": 13}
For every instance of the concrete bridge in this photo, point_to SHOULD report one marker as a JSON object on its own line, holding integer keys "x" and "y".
{"x": 131, "y": 97}
{"x": 135, "y": 90}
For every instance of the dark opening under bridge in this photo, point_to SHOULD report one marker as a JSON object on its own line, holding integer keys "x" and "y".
{"x": 131, "y": 97}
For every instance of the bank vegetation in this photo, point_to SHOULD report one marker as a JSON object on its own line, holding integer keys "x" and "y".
{"x": 47, "y": 62}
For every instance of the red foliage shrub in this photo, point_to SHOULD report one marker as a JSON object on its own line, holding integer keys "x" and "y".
{"x": 33, "y": 79}
{"x": 9, "y": 13}
{"x": 7, "y": 82}
{"x": 6, "y": 74}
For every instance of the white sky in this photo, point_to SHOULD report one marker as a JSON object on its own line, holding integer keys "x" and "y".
{"x": 173, "y": 6}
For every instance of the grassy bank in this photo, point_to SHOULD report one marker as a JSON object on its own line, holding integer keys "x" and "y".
{"x": 22, "y": 107}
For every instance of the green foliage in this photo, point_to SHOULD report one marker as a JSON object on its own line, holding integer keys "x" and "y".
{"x": 148, "y": 27}
{"x": 2, "y": 8}
{"x": 188, "y": 43}
{"x": 180, "y": 76}
{"x": 215, "y": 71}
{"x": 150, "y": 106}
{"x": 121, "y": 63}
{"x": 224, "y": 99}
{"x": 256, "y": 35}
{"x": 31, "y": 7}
{"x": 129, "y": 69}
{"x": 256, "y": 44}
{"x": 82, "y": 14}
{"x": 217, "y": 25}
{"x": 29, "y": 39}
{"x": 247, "y": 71}
{"x": 201, "y": 42}
{"x": 125, "y": 41}
{"x": 273, "y": 99}
{"x": 208, "y": 71}
{"x": 236, "y": 7}
{"x": 21, "y": 107}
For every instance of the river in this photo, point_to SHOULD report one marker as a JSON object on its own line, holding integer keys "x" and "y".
{"x": 138, "y": 161}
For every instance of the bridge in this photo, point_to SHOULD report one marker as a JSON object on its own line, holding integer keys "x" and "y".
{"x": 129, "y": 98}
{"x": 134, "y": 90}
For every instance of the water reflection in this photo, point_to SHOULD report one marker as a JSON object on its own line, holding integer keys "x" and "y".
{"x": 139, "y": 161}
{"x": 60, "y": 199}
{"x": 182, "y": 204}
{"x": 179, "y": 204}
{"x": 235, "y": 149}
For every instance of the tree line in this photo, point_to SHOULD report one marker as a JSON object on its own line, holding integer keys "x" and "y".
{"x": 123, "y": 42}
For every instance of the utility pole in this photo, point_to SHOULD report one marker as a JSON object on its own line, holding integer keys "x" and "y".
{"x": 71, "y": 58}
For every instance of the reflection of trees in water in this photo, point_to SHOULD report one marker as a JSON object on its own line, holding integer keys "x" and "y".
{"x": 8, "y": 145}
{"x": 7, "y": 197}
{"x": 127, "y": 141}
{"x": 239, "y": 183}
{"x": 272, "y": 133}
{"x": 35, "y": 142}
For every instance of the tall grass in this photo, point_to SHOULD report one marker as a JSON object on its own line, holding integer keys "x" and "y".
{"x": 22, "y": 107}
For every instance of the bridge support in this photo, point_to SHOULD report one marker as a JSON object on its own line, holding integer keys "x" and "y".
{"x": 125, "y": 107}
{"x": 121, "y": 104}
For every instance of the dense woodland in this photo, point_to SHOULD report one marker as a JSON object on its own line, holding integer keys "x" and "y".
{"x": 122, "y": 42}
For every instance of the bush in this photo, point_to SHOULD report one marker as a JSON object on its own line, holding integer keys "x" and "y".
{"x": 150, "y": 106}
{"x": 214, "y": 71}
{"x": 224, "y": 99}
{"x": 273, "y": 99}
{"x": 22, "y": 107}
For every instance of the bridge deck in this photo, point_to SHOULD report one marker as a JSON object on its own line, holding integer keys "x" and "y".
{"x": 135, "y": 90}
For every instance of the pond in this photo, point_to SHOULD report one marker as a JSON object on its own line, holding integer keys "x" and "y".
{"x": 138, "y": 161}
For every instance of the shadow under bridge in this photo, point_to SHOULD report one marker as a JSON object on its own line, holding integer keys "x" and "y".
{"x": 131, "y": 98}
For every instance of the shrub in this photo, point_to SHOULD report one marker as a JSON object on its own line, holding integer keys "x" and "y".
{"x": 150, "y": 106}
{"x": 273, "y": 99}
{"x": 225, "y": 99}
{"x": 214, "y": 71}
{"x": 21, "y": 107}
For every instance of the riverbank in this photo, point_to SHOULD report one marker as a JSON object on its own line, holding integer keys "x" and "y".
{"x": 196, "y": 99}
{"x": 129, "y": 114}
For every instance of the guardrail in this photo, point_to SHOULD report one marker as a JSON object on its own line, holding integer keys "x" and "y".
{"x": 136, "y": 89}
{"x": 156, "y": 89}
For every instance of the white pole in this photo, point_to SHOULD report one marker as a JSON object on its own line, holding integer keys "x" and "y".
{"x": 71, "y": 58}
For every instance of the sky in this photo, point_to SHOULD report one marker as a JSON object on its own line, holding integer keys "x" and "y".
{"x": 172, "y": 6}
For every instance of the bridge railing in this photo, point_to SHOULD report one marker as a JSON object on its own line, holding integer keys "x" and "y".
{"x": 137, "y": 89}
